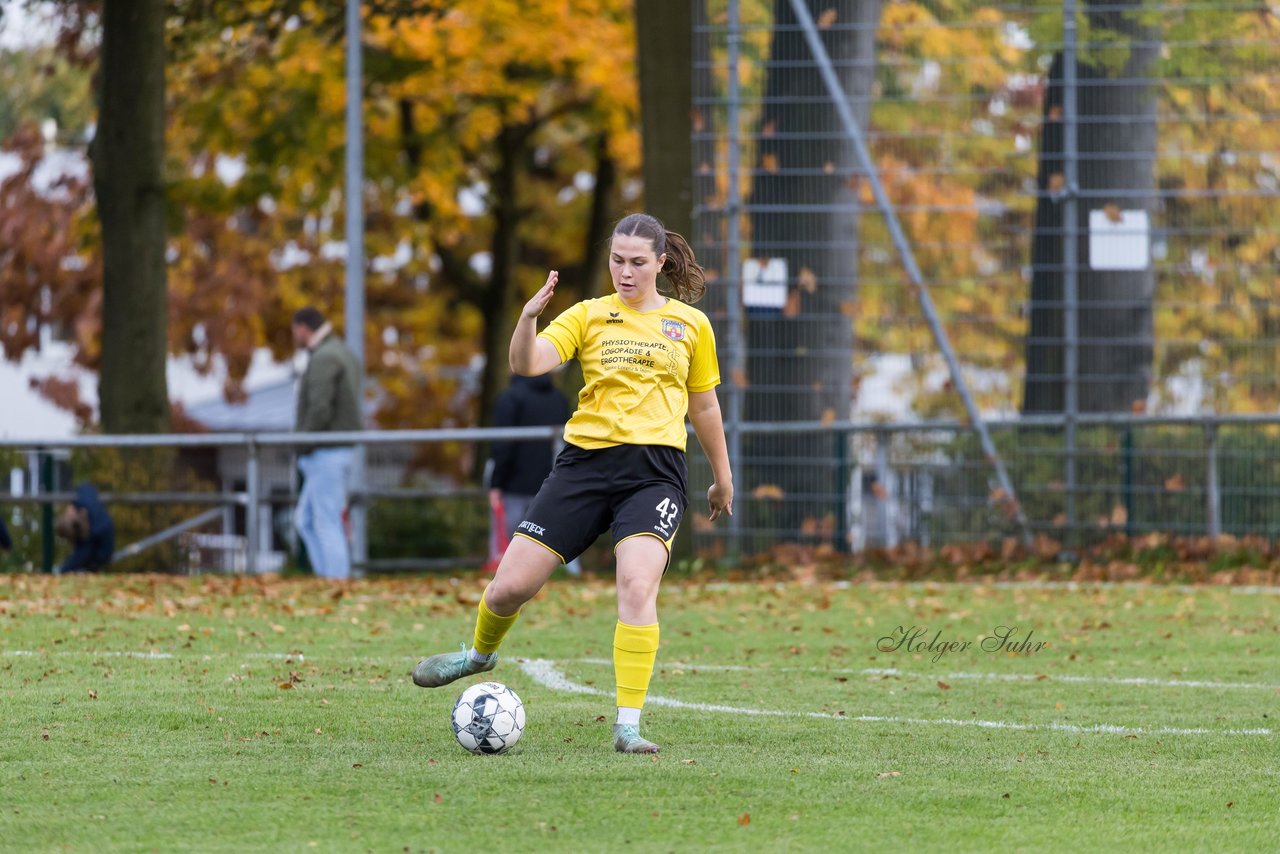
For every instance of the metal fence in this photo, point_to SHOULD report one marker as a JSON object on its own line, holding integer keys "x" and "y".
{"x": 1089, "y": 195}
{"x": 224, "y": 502}
{"x": 1023, "y": 249}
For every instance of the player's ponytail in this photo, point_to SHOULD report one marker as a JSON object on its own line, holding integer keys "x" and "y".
{"x": 683, "y": 270}
{"x": 681, "y": 267}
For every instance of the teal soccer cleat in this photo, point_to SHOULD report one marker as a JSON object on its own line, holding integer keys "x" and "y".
{"x": 449, "y": 667}
{"x": 626, "y": 739}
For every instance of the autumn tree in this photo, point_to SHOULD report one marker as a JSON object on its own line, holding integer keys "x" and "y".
{"x": 495, "y": 149}
{"x": 1116, "y": 110}
{"x": 46, "y": 277}
{"x": 664, "y": 65}
{"x": 804, "y": 212}
{"x": 128, "y": 177}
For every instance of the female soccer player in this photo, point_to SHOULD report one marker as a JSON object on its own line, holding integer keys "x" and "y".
{"x": 647, "y": 359}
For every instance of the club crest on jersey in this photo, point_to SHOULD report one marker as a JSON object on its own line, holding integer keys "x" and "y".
{"x": 673, "y": 329}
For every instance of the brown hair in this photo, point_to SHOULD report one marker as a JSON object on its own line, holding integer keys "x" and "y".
{"x": 309, "y": 317}
{"x": 681, "y": 268}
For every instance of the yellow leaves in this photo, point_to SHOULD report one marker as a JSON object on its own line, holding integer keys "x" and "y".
{"x": 807, "y": 280}
{"x": 768, "y": 490}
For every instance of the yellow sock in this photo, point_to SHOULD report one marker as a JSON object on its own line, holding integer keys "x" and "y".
{"x": 491, "y": 629}
{"x": 635, "y": 648}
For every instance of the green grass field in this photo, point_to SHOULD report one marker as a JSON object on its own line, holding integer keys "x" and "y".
{"x": 216, "y": 714}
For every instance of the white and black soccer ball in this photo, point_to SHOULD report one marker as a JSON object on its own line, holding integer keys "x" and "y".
{"x": 488, "y": 718}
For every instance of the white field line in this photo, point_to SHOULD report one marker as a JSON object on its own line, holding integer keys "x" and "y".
{"x": 544, "y": 672}
{"x": 1143, "y": 681}
{"x": 1068, "y": 586}
{"x": 984, "y": 677}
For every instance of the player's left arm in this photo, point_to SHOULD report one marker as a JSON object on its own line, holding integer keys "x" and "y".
{"x": 704, "y": 414}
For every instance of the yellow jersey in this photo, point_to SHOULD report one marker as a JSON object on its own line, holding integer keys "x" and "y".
{"x": 638, "y": 368}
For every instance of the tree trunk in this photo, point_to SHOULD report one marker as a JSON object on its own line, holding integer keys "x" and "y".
{"x": 595, "y": 247}
{"x": 1117, "y": 140}
{"x": 499, "y": 303}
{"x": 664, "y": 52}
{"x": 805, "y": 211}
{"x": 128, "y": 160}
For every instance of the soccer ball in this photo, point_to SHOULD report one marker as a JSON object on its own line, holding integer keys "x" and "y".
{"x": 488, "y": 718}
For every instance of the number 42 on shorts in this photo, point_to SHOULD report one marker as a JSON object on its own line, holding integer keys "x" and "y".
{"x": 667, "y": 512}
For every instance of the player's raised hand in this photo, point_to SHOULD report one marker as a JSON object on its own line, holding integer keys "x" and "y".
{"x": 538, "y": 304}
{"x": 720, "y": 497}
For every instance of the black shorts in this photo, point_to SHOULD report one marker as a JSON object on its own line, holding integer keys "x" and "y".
{"x": 626, "y": 489}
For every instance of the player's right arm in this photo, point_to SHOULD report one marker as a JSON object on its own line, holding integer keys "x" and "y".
{"x": 531, "y": 356}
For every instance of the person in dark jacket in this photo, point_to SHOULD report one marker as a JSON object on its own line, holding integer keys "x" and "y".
{"x": 87, "y": 524}
{"x": 328, "y": 400}
{"x": 518, "y": 468}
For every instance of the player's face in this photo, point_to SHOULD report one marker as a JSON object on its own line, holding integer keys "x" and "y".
{"x": 634, "y": 267}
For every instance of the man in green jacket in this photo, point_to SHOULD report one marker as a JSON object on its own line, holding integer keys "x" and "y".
{"x": 328, "y": 400}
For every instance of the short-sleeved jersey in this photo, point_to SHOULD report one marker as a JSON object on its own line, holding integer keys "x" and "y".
{"x": 638, "y": 368}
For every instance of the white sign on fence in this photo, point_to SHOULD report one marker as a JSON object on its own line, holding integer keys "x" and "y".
{"x": 764, "y": 283}
{"x": 1119, "y": 240}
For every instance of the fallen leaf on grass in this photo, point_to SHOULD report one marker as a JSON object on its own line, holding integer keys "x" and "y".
{"x": 437, "y": 798}
{"x": 286, "y": 686}
{"x": 883, "y": 774}
{"x": 744, "y": 819}
{"x": 943, "y": 685}
{"x": 93, "y": 695}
